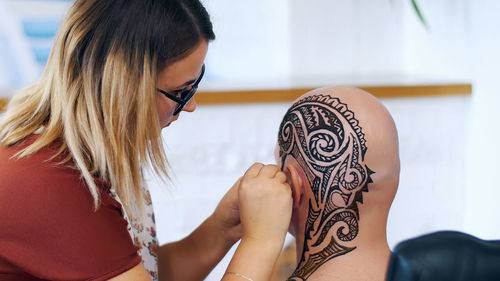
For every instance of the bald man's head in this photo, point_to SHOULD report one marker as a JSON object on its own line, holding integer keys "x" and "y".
{"x": 337, "y": 145}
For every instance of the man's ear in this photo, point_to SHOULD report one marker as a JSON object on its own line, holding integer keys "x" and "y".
{"x": 295, "y": 181}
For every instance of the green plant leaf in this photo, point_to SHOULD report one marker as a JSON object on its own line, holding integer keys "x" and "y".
{"x": 419, "y": 13}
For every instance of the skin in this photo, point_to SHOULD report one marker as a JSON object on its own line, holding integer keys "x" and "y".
{"x": 369, "y": 260}
{"x": 257, "y": 209}
{"x": 179, "y": 75}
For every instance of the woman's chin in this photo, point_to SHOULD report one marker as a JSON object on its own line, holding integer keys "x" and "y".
{"x": 165, "y": 124}
{"x": 168, "y": 122}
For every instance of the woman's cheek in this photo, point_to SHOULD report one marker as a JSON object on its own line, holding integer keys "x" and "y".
{"x": 164, "y": 111}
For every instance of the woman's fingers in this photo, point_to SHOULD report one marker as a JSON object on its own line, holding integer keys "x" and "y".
{"x": 281, "y": 177}
{"x": 265, "y": 202}
{"x": 269, "y": 171}
{"x": 254, "y": 170}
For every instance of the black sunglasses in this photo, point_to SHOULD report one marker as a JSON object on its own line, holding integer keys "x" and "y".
{"x": 183, "y": 96}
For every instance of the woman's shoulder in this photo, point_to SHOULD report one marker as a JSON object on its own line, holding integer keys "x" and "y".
{"x": 48, "y": 211}
{"x": 41, "y": 172}
{"x": 41, "y": 178}
{"x": 35, "y": 175}
{"x": 44, "y": 158}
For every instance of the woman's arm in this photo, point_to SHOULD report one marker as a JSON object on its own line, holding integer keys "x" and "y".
{"x": 265, "y": 210}
{"x": 193, "y": 257}
{"x": 137, "y": 273}
{"x": 262, "y": 199}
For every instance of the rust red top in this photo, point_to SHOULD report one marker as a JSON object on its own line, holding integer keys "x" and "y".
{"x": 48, "y": 229}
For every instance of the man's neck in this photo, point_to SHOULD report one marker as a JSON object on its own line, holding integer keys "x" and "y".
{"x": 366, "y": 261}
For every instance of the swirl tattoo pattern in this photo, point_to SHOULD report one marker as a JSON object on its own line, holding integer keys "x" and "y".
{"x": 325, "y": 138}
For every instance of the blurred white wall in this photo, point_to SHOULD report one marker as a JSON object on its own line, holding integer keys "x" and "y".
{"x": 17, "y": 62}
{"x": 252, "y": 40}
{"x": 463, "y": 41}
{"x": 26, "y": 34}
{"x": 346, "y": 38}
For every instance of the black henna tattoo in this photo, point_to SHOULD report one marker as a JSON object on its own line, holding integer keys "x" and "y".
{"x": 323, "y": 135}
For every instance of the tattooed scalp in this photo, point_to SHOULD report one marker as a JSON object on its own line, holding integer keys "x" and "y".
{"x": 325, "y": 138}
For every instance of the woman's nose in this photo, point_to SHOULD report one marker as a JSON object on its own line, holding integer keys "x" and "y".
{"x": 190, "y": 106}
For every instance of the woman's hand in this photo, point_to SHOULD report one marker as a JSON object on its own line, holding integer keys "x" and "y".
{"x": 227, "y": 215}
{"x": 265, "y": 203}
{"x": 261, "y": 191}
{"x": 206, "y": 245}
{"x": 262, "y": 200}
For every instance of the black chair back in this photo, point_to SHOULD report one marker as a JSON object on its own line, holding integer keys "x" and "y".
{"x": 445, "y": 256}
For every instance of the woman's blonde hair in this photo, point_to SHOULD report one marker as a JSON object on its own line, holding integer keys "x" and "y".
{"x": 97, "y": 94}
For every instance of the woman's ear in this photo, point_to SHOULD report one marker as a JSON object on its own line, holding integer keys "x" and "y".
{"x": 295, "y": 182}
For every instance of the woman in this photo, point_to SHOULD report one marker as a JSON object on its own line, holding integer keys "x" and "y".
{"x": 75, "y": 144}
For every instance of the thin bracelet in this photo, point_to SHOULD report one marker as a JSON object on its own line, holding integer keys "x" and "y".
{"x": 240, "y": 275}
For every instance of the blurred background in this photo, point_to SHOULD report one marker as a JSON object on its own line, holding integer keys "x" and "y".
{"x": 447, "y": 141}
